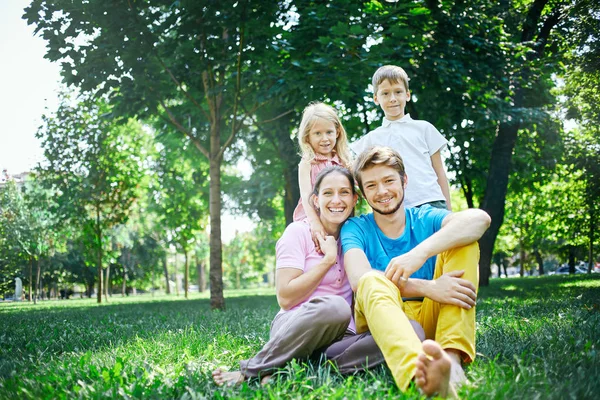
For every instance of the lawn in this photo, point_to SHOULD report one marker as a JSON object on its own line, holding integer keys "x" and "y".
{"x": 536, "y": 338}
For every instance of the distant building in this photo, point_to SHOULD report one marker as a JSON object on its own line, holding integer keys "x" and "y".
{"x": 18, "y": 178}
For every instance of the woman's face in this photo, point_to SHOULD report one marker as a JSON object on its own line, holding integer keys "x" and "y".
{"x": 335, "y": 199}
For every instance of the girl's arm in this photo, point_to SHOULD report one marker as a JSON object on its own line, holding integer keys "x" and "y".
{"x": 316, "y": 228}
{"x": 438, "y": 167}
{"x": 294, "y": 286}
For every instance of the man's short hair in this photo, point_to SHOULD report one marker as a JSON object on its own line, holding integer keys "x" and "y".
{"x": 378, "y": 155}
{"x": 392, "y": 73}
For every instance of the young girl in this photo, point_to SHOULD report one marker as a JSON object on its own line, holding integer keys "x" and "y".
{"x": 323, "y": 142}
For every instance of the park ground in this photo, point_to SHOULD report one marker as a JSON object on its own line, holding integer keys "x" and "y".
{"x": 537, "y": 338}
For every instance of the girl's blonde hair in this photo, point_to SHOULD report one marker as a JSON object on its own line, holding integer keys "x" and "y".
{"x": 310, "y": 115}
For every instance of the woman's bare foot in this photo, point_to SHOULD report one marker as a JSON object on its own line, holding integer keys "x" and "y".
{"x": 228, "y": 378}
{"x": 265, "y": 380}
{"x": 433, "y": 371}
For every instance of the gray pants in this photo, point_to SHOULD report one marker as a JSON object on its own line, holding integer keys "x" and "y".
{"x": 298, "y": 333}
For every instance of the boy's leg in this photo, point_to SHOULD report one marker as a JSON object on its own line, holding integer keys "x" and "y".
{"x": 378, "y": 308}
{"x": 298, "y": 333}
{"x": 451, "y": 326}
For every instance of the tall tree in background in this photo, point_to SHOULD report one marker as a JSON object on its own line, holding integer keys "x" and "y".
{"x": 180, "y": 197}
{"x": 198, "y": 63}
{"x": 94, "y": 165}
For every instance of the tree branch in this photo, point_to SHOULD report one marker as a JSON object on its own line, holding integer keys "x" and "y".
{"x": 184, "y": 131}
{"x": 162, "y": 63}
{"x": 234, "y": 126}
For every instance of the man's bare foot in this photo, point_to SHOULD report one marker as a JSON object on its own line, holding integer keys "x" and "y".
{"x": 433, "y": 371}
{"x": 228, "y": 378}
{"x": 457, "y": 373}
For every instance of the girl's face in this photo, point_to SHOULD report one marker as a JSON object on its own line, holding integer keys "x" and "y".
{"x": 335, "y": 200}
{"x": 322, "y": 137}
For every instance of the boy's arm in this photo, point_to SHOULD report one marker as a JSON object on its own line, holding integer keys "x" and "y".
{"x": 306, "y": 194}
{"x": 458, "y": 229}
{"x": 438, "y": 167}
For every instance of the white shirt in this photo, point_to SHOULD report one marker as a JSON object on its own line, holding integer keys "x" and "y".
{"x": 416, "y": 141}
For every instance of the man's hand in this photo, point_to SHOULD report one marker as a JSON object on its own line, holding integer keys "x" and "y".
{"x": 450, "y": 288}
{"x": 317, "y": 231}
{"x": 402, "y": 267}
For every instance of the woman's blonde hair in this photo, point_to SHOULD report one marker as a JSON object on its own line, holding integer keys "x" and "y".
{"x": 310, "y": 115}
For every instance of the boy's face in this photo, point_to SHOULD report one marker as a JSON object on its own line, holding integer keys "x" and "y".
{"x": 392, "y": 98}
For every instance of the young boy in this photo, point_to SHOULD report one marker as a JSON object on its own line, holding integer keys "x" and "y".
{"x": 418, "y": 142}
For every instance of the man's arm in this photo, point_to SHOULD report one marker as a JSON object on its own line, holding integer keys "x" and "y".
{"x": 356, "y": 265}
{"x": 458, "y": 229}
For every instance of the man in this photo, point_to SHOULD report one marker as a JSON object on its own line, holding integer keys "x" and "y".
{"x": 390, "y": 259}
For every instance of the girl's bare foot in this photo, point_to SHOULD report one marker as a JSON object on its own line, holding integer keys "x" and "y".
{"x": 433, "y": 371}
{"x": 227, "y": 378}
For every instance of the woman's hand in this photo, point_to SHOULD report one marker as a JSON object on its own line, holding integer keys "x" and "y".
{"x": 329, "y": 247}
{"x": 316, "y": 231}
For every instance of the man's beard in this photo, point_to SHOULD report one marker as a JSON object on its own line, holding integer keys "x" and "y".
{"x": 389, "y": 212}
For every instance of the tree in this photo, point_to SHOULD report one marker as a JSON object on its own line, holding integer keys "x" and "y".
{"x": 180, "y": 199}
{"x": 199, "y": 63}
{"x": 94, "y": 165}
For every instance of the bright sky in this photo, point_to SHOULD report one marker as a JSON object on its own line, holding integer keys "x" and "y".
{"x": 28, "y": 84}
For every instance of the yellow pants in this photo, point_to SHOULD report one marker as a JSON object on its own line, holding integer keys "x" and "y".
{"x": 379, "y": 308}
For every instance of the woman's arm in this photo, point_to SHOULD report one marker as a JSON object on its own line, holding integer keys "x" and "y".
{"x": 306, "y": 190}
{"x": 438, "y": 167}
{"x": 293, "y": 285}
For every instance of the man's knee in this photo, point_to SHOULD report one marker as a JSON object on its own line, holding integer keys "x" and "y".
{"x": 372, "y": 280}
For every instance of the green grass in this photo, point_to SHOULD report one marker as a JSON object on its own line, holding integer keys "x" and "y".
{"x": 536, "y": 338}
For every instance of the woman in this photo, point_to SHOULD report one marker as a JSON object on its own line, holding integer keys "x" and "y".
{"x": 312, "y": 288}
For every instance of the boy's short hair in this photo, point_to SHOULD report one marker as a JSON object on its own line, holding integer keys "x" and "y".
{"x": 378, "y": 155}
{"x": 392, "y": 73}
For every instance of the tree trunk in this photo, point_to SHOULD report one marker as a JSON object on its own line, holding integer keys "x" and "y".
{"x": 124, "y": 285}
{"x": 217, "y": 302}
{"x": 238, "y": 279}
{"x": 521, "y": 259}
{"x": 30, "y": 278}
{"x": 540, "y": 261}
{"x": 505, "y": 266}
{"x": 591, "y": 239}
{"x": 37, "y": 281}
{"x": 504, "y": 143}
{"x": 175, "y": 268}
{"x": 286, "y": 146}
{"x": 201, "y": 280}
{"x": 495, "y": 194}
{"x": 571, "y": 259}
{"x": 166, "y": 272}
{"x": 107, "y": 282}
{"x": 99, "y": 254}
{"x": 186, "y": 278}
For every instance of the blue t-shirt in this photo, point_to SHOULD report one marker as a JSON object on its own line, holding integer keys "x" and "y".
{"x": 363, "y": 233}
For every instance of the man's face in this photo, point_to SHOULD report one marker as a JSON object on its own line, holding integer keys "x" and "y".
{"x": 392, "y": 98}
{"x": 383, "y": 189}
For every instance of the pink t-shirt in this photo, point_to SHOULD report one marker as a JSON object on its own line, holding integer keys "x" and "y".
{"x": 295, "y": 249}
{"x": 318, "y": 164}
